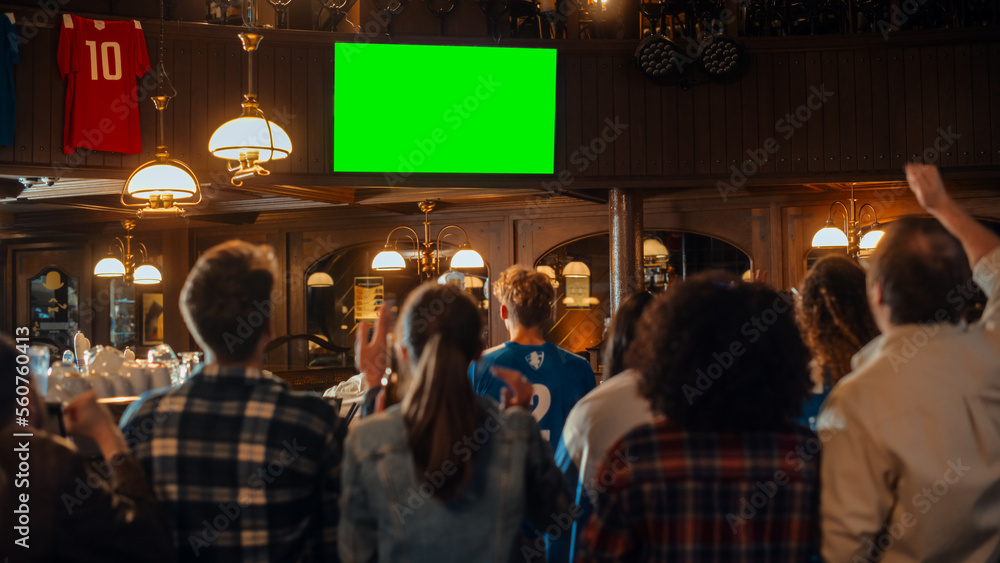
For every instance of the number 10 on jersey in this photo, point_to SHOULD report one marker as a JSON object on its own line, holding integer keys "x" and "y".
{"x": 111, "y": 56}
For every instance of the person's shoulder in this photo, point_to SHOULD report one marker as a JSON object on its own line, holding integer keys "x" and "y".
{"x": 379, "y": 433}
{"x": 568, "y": 358}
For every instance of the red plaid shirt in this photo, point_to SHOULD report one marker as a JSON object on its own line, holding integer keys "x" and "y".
{"x": 665, "y": 494}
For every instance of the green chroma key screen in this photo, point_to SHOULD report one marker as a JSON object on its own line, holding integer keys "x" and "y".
{"x": 405, "y": 109}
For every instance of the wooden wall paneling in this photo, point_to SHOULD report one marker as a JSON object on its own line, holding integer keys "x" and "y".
{"x": 620, "y": 149}
{"x": 915, "y": 107}
{"x": 572, "y": 116}
{"x": 605, "y": 110}
{"x": 964, "y": 110}
{"x": 930, "y": 108}
{"x": 897, "y": 109}
{"x": 716, "y": 125}
{"x": 176, "y": 265}
{"x": 749, "y": 111}
{"x": 736, "y": 142}
{"x": 638, "y": 120}
{"x": 40, "y": 151}
{"x": 702, "y": 128}
{"x": 881, "y": 142}
{"x": 279, "y": 297}
{"x": 995, "y": 99}
{"x": 945, "y": 77}
{"x": 267, "y": 88}
{"x": 193, "y": 86}
{"x": 24, "y": 124}
{"x": 281, "y": 99}
{"x": 863, "y": 110}
{"x": 687, "y": 134}
{"x": 501, "y": 256}
{"x": 781, "y": 90}
{"x": 327, "y": 103}
{"x": 815, "y": 126}
{"x": 763, "y": 67}
{"x": 799, "y": 141}
{"x": 316, "y": 109}
{"x": 589, "y": 85}
{"x": 559, "y": 151}
{"x": 979, "y": 58}
{"x": 180, "y": 106}
{"x": 219, "y": 109}
{"x": 667, "y": 126}
{"x": 833, "y": 109}
{"x": 760, "y": 250}
{"x": 847, "y": 110}
{"x": 234, "y": 82}
{"x": 654, "y": 127}
{"x": 298, "y": 353}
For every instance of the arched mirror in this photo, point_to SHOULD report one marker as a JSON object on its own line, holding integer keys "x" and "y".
{"x": 580, "y": 272}
{"x": 342, "y": 290}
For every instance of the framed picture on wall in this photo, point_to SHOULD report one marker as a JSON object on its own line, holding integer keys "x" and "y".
{"x": 151, "y": 319}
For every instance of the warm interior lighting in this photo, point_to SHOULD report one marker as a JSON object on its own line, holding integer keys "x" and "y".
{"x": 388, "y": 260}
{"x": 576, "y": 270}
{"x": 109, "y": 267}
{"x": 472, "y": 282}
{"x": 871, "y": 238}
{"x": 466, "y": 257}
{"x": 147, "y": 274}
{"x": 654, "y": 248}
{"x": 250, "y": 139}
{"x": 547, "y": 271}
{"x": 829, "y": 237}
{"x": 162, "y": 178}
{"x": 319, "y": 279}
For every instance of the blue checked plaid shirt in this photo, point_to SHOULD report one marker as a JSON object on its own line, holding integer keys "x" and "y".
{"x": 244, "y": 468}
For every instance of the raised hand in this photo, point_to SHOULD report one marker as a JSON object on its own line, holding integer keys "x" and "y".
{"x": 926, "y": 183}
{"x": 518, "y": 392}
{"x": 370, "y": 355}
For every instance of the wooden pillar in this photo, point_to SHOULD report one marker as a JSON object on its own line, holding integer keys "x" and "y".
{"x": 176, "y": 264}
{"x": 625, "y": 210}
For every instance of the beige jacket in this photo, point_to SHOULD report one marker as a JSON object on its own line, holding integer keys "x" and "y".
{"x": 911, "y": 443}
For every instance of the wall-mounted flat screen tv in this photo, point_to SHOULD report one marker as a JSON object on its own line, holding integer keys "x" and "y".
{"x": 413, "y": 109}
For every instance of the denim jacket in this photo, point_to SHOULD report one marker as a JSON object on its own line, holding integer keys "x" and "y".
{"x": 388, "y": 514}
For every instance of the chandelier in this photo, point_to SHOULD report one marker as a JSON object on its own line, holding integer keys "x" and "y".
{"x": 430, "y": 251}
{"x": 850, "y": 238}
{"x": 128, "y": 266}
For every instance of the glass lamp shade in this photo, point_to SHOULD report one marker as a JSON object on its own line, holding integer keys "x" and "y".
{"x": 109, "y": 268}
{"x": 652, "y": 248}
{"x": 576, "y": 270}
{"x": 871, "y": 238}
{"x": 829, "y": 237}
{"x": 388, "y": 260}
{"x": 467, "y": 258}
{"x": 319, "y": 279}
{"x": 237, "y": 137}
{"x": 162, "y": 177}
{"x": 147, "y": 275}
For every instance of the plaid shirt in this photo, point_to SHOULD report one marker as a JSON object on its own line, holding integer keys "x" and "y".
{"x": 244, "y": 468}
{"x": 664, "y": 494}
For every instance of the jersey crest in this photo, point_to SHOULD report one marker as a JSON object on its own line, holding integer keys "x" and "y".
{"x": 535, "y": 359}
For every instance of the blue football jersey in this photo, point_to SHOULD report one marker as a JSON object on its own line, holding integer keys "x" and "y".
{"x": 559, "y": 378}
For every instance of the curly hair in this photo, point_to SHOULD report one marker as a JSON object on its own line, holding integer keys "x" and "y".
{"x": 527, "y": 294}
{"x": 721, "y": 355}
{"x": 834, "y": 315}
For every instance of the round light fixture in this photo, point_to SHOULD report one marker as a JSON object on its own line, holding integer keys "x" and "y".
{"x": 388, "y": 260}
{"x": 162, "y": 177}
{"x": 147, "y": 275}
{"x": 109, "y": 267}
{"x": 319, "y": 279}
{"x": 871, "y": 239}
{"x": 829, "y": 237}
{"x": 656, "y": 57}
{"x": 250, "y": 138}
{"x": 721, "y": 58}
{"x": 466, "y": 257}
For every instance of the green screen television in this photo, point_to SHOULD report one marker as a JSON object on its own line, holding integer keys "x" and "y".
{"x": 414, "y": 109}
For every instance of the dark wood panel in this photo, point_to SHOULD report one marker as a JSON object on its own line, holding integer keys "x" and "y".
{"x": 863, "y": 110}
{"x": 588, "y": 112}
{"x": 930, "y": 109}
{"x": 995, "y": 98}
{"x": 946, "y": 100}
{"x": 965, "y": 146}
{"x": 733, "y": 131}
{"x": 639, "y": 151}
{"x": 814, "y": 125}
{"x": 846, "y": 96}
{"x": 881, "y": 142}
{"x": 622, "y": 144}
{"x": 316, "y": 123}
{"x": 685, "y": 133}
{"x": 897, "y": 108}
{"x": 766, "y": 128}
{"x": 749, "y": 110}
{"x": 717, "y": 129}
{"x": 702, "y": 131}
{"x": 654, "y": 127}
{"x": 40, "y": 149}
{"x": 829, "y": 157}
{"x": 605, "y": 110}
{"x": 281, "y": 99}
{"x": 914, "y": 104}
{"x": 194, "y": 83}
{"x": 798, "y": 142}
{"x": 981, "y": 104}
{"x": 573, "y": 115}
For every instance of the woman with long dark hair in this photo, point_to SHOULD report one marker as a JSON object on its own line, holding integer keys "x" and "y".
{"x": 444, "y": 475}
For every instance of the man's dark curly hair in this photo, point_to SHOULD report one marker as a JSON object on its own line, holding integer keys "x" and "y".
{"x": 833, "y": 313}
{"x": 721, "y": 355}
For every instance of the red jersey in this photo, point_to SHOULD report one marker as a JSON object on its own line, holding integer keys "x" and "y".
{"x": 100, "y": 61}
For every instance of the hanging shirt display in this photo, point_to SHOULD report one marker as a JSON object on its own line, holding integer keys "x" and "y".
{"x": 10, "y": 54}
{"x": 100, "y": 61}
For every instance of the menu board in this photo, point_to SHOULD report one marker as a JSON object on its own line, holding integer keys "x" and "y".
{"x": 369, "y": 292}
